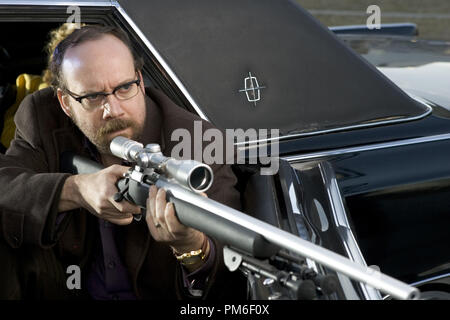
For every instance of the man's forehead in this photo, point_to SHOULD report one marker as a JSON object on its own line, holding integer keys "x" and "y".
{"x": 98, "y": 63}
{"x": 98, "y": 45}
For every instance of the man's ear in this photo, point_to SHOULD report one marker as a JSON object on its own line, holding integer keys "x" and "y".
{"x": 63, "y": 102}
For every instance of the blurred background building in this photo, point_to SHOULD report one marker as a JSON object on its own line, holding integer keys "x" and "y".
{"x": 432, "y": 17}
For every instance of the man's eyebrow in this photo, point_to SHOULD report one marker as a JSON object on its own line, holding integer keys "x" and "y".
{"x": 88, "y": 93}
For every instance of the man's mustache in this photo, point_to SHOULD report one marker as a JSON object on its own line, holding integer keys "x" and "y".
{"x": 113, "y": 126}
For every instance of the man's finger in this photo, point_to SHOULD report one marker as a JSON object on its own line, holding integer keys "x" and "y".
{"x": 173, "y": 224}
{"x": 160, "y": 206}
{"x": 125, "y": 206}
{"x": 151, "y": 200}
{"x": 121, "y": 221}
{"x": 150, "y": 222}
{"x": 112, "y": 213}
{"x": 118, "y": 170}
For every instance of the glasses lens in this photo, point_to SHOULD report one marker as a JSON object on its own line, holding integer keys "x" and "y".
{"x": 126, "y": 91}
{"x": 93, "y": 101}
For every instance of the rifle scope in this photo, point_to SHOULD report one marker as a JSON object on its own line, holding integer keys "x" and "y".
{"x": 191, "y": 174}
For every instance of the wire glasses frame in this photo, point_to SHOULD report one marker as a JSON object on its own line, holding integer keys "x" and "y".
{"x": 96, "y": 100}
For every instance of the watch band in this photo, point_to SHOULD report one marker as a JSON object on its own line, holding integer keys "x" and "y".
{"x": 192, "y": 257}
{"x": 189, "y": 258}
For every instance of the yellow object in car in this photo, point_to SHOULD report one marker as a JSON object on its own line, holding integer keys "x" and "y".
{"x": 25, "y": 84}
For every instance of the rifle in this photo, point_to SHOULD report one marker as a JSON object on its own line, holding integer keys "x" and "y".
{"x": 250, "y": 244}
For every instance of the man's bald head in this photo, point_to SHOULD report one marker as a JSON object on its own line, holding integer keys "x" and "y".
{"x": 83, "y": 35}
{"x": 94, "y": 70}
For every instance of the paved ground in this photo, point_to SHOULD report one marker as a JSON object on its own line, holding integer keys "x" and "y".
{"x": 431, "y": 16}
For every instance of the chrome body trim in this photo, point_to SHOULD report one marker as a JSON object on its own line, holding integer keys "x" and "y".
{"x": 348, "y": 288}
{"x": 343, "y": 226}
{"x": 360, "y": 26}
{"x": 160, "y": 59}
{"x": 346, "y": 285}
{"x": 370, "y": 147}
{"x": 296, "y": 210}
{"x": 418, "y": 283}
{"x": 358, "y": 126}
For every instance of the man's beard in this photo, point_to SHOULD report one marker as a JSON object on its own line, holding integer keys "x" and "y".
{"x": 100, "y": 138}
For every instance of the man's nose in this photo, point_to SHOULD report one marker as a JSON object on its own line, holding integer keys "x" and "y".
{"x": 112, "y": 107}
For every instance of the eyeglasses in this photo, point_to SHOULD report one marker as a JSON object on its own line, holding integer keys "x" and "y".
{"x": 96, "y": 100}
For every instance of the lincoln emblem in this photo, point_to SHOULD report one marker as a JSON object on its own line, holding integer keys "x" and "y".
{"x": 252, "y": 89}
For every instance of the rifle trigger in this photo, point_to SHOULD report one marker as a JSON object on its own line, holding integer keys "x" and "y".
{"x": 118, "y": 196}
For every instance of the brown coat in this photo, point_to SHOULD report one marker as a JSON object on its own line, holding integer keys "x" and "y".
{"x": 30, "y": 185}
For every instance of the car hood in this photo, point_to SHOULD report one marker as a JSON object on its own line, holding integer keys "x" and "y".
{"x": 267, "y": 64}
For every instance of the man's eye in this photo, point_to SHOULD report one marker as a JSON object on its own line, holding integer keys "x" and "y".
{"x": 94, "y": 97}
{"x": 124, "y": 88}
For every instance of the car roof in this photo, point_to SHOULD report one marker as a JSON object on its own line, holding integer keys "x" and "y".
{"x": 309, "y": 81}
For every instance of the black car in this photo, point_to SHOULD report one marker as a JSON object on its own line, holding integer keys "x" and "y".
{"x": 364, "y": 165}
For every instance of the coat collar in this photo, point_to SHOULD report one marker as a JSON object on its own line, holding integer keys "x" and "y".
{"x": 153, "y": 127}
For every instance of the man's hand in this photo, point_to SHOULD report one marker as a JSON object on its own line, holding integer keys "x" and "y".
{"x": 95, "y": 192}
{"x": 165, "y": 227}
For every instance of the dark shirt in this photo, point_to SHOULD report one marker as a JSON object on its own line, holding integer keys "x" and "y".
{"x": 108, "y": 278}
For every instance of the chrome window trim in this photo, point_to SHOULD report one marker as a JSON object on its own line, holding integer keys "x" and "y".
{"x": 357, "y": 126}
{"x": 370, "y": 147}
{"x": 442, "y": 276}
{"x": 55, "y": 3}
{"x": 346, "y": 285}
{"x": 340, "y": 220}
{"x": 296, "y": 211}
{"x": 160, "y": 59}
{"x": 348, "y": 288}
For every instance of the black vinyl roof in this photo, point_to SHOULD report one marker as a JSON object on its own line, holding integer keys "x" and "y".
{"x": 311, "y": 81}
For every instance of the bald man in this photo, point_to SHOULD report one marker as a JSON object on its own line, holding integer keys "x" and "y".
{"x": 54, "y": 222}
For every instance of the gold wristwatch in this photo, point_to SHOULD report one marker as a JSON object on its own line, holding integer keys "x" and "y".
{"x": 192, "y": 257}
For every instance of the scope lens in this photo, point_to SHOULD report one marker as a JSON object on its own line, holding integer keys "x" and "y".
{"x": 200, "y": 179}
